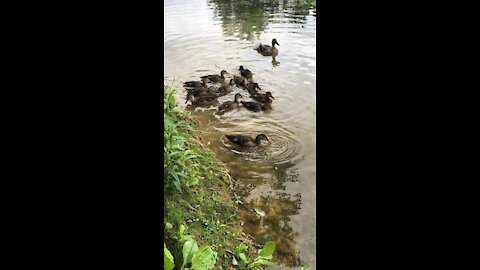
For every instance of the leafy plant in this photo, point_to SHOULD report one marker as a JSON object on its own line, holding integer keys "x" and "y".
{"x": 259, "y": 212}
{"x": 203, "y": 258}
{"x": 306, "y": 267}
{"x": 168, "y": 262}
{"x": 264, "y": 256}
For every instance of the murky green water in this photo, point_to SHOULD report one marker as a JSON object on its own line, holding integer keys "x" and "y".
{"x": 205, "y": 36}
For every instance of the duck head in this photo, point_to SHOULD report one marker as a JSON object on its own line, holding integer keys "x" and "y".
{"x": 261, "y": 139}
{"x": 241, "y": 68}
{"x": 274, "y": 41}
{"x": 238, "y": 97}
{"x": 269, "y": 94}
{"x": 190, "y": 99}
{"x": 255, "y": 86}
{"x": 223, "y": 72}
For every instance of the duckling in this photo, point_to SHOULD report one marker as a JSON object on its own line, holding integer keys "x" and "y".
{"x": 198, "y": 92}
{"x": 246, "y": 73}
{"x": 216, "y": 78}
{"x": 247, "y": 141}
{"x": 226, "y": 88}
{"x": 256, "y": 106}
{"x": 251, "y": 88}
{"x": 264, "y": 98}
{"x": 202, "y": 101}
{"x": 266, "y": 50}
{"x": 230, "y": 105}
{"x": 195, "y": 84}
{"x": 241, "y": 81}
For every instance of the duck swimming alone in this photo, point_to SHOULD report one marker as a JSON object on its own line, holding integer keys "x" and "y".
{"x": 230, "y": 105}
{"x": 267, "y": 50}
{"x": 264, "y": 98}
{"x": 247, "y": 141}
{"x": 216, "y": 78}
{"x": 246, "y": 73}
{"x": 256, "y": 106}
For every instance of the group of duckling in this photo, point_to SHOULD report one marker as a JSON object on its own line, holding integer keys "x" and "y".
{"x": 201, "y": 95}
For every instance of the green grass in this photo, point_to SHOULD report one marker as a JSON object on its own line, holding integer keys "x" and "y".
{"x": 197, "y": 190}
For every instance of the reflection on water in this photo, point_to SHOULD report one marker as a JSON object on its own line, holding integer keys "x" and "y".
{"x": 205, "y": 36}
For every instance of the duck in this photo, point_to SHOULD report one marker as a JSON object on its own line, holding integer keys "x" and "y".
{"x": 246, "y": 73}
{"x": 267, "y": 50}
{"x": 256, "y": 106}
{"x": 241, "y": 81}
{"x": 197, "y": 92}
{"x": 216, "y": 78}
{"x": 195, "y": 84}
{"x": 202, "y": 101}
{"x": 230, "y": 105}
{"x": 264, "y": 98}
{"x": 226, "y": 88}
{"x": 252, "y": 88}
{"x": 247, "y": 141}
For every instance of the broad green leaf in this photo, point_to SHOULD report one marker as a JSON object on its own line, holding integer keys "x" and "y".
{"x": 204, "y": 259}
{"x": 267, "y": 251}
{"x": 259, "y": 212}
{"x": 243, "y": 257}
{"x": 306, "y": 267}
{"x": 189, "y": 248}
{"x": 168, "y": 262}
{"x": 260, "y": 261}
{"x": 182, "y": 229}
{"x": 234, "y": 261}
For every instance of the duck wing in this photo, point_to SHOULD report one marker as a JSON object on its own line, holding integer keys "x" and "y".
{"x": 252, "y": 106}
{"x": 240, "y": 139}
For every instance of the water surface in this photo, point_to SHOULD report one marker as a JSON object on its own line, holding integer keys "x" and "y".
{"x": 205, "y": 36}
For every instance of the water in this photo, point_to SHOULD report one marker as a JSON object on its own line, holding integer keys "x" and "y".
{"x": 203, "y": 37}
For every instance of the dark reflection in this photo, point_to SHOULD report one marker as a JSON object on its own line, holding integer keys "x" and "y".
{"x": 275, "y": 225}
{"x": 249, "y": 18}
{"x": 276, "y": 176}
{"x": 274, "y": 62}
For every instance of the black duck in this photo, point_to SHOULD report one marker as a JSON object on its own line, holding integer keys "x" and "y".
{"x": 246, "y": 73}
{"x": 268, "y": 50}
{"x": 247, "y": 141}
{"x": 216, "y": 78}
{"x": 264, "y": 98}
{"x": 230, "y": 105}
{"x": 256, "y": 106}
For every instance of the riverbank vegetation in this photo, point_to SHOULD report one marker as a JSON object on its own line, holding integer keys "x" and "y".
{"x": 201, "y": 220}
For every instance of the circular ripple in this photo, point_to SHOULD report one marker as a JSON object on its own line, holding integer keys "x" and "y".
{"x": 284, "y": 146}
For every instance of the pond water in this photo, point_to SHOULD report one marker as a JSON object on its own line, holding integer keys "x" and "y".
{"x": 203, "y": 37}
